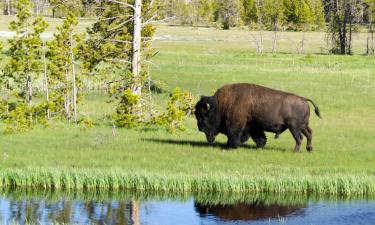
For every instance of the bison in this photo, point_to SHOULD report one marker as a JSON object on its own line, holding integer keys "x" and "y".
{"x": 242, "y": 110}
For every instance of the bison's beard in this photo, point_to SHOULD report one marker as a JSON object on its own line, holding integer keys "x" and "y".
{"x": 210, "y": 137}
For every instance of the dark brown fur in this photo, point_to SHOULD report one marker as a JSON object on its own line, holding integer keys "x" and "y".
{"x": 244, "y": 110}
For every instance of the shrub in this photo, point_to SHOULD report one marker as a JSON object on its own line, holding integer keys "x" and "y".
{"x": 179, "y": 106}
{"x": 126, "y": 114}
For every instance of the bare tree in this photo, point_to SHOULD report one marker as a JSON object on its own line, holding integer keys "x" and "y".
{"x": 8, "y": 7}
{"x": 39, "y": 6}
{"x": 136, "y": 48}
{"x": 259, "y": 41}
{"x": 342, "y": 16}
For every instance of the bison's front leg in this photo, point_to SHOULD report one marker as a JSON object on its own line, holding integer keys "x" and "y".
{"x": 234, "y": 138}
{"x": 259, "y": 137}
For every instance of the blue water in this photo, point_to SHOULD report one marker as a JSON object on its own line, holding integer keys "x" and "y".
{"x": 182, "y": 212}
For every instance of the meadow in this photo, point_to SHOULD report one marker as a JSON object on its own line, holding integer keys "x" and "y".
{"x": 201, "y": 60}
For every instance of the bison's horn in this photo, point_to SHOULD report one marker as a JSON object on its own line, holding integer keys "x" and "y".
{"x": 208, "y": 106}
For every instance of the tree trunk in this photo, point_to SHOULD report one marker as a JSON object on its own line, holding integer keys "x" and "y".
{"x": 67, "y": 98}
{"x": 274, "y": 46}
{"x": 349, "y": 50}
{"x": 46, "y": 78}
{"x": 73, "y": 80}
{"x": 302, "y": 49}
{"x": 9, "y": 10}
{"x": 372, "y": 40}
{"x": 260, "y": 27}
{"x": 136, "y": 86}
{"x": 29, "y": 86}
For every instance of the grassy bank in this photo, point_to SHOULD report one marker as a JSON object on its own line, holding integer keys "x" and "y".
{"x": 66, "y": 157}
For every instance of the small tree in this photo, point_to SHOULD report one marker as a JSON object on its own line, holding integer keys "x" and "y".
{"x": 24, "y": 66}
{"x": 25, "y": 52}
{"x": 259, "y": 14}
{"x": 229, "y": 13}
{"x": 274, "y": 15}
{"x": 63, "y": 77}
{"x": 249, "y": 11}
{"x": 299, "y": 13}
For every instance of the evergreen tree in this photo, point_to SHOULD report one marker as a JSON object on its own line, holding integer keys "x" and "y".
{"x": 249, "y": 11}
{"x": 25, "y": 61}
{"x": 317, "y": 12}
{"x": 61, "y": 67}
{"x": 25, "y": 65}
{"x": 229, "y": 13}
{"x": 113, "y": 42}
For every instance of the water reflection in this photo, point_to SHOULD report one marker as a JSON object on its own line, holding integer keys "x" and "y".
{"x": 130, "y": 208}
{"x": 243, "y": 211}
{"x": 67, "y": 211}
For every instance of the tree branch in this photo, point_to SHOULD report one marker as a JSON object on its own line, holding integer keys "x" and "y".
{"x": 122, "y": 3}
{"x": 122, "y": 24}
{"x": 151, "y": 20}
{"x": 119, "y": 41}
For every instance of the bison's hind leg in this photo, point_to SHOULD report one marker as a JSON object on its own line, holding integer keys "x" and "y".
{"x": 259, "y": 137}
{"x": 308, "y": 133}
{"x": 296, "y": 132}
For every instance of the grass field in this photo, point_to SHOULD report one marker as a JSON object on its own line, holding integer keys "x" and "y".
{"x": 201, "y": 60}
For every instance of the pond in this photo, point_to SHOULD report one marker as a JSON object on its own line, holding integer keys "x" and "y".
{"x": 45, "y": 207}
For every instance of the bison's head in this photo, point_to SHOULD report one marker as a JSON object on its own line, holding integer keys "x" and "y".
{"x": 206, "y": 112}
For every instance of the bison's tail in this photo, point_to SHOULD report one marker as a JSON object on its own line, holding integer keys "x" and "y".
{"x": 317, "y": 111}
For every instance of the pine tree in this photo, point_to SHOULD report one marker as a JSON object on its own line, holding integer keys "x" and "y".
{"x": 229, "y": 13}
{"x": 249, "y": 11}
{"x": 120, "y": 38}
{"x": 61, "y": 66}
{"x": 25, "y": 61}
{"x": 25, "y": 65}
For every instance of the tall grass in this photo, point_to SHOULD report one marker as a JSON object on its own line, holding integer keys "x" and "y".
{"x": 343, "y": 185}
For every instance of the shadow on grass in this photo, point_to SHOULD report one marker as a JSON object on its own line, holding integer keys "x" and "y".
{"x": 221, "y": 146}
{"x": 186, "y": 142}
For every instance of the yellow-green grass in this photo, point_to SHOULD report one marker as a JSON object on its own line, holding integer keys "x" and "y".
{"x": 65, "y": 157}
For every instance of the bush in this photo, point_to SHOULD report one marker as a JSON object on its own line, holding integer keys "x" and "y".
{"x": 179, "y": 106}
{"x": 126, "y": 111}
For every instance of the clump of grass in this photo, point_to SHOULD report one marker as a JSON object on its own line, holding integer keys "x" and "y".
{"x": 81, "y": 179}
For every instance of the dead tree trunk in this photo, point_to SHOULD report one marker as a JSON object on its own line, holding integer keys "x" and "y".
{"x": 302, "y": 48}
{"x": 8, "y": 7}
{"x": 370, "y": 40}
{"x": 260, "y": 28}
{"x": 136, "y": 86}
{"x": 67, "y": 97}
{"x": 29, "y": 86}
{"x": 46, "y": 78}
{"x": 73, "y": 80}
{"x": 274, "y": 46}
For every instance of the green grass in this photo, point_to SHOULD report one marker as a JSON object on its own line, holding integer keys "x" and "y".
{"x": 65, "y": 157}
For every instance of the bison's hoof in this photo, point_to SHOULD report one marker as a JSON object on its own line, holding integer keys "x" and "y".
{"x": 309, "y": 148}
{"x": 261, "y": 142}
